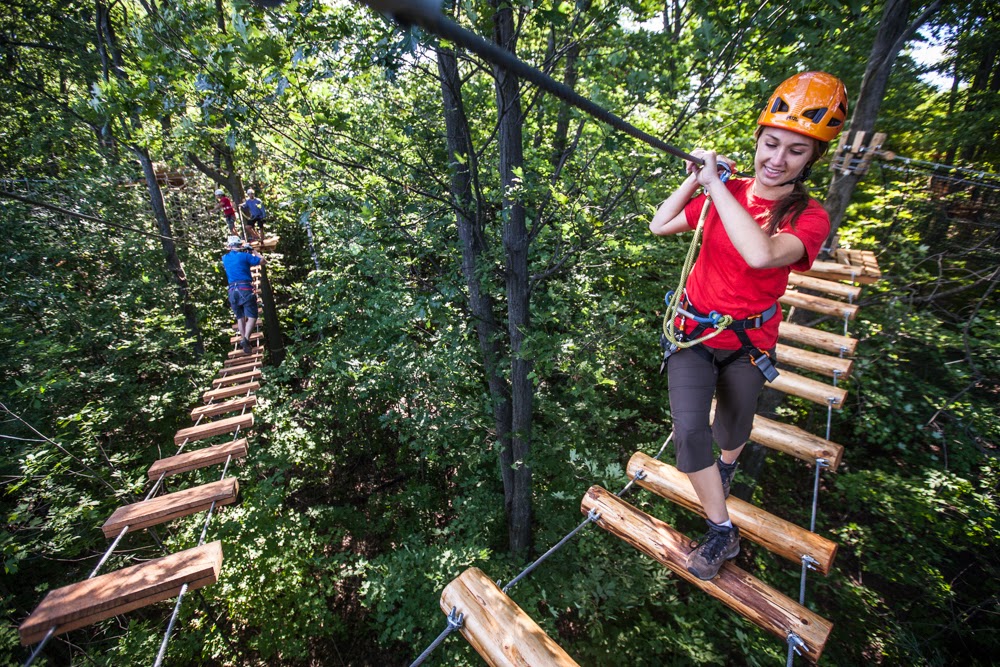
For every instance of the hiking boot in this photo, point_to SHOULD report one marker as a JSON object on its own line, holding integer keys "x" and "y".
{"x": 727, "y": 471}
{"x": 245, "y": 345}
{"x": 714, "y": 548}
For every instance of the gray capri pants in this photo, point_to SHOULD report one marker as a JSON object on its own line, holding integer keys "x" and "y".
{"x": 693, "y": 380}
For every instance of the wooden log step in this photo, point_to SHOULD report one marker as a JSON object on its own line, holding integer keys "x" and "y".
{"x": 809, "y": 389}
{"x": 199, "y": 458}
{"x": 819, "y": 304}
{"x": 228, "y": 392}
{"x": 823, "y": 364}
{"x": 240, "y": 354}
{"x": 745, "y": 594}
{"x": 216, "y": 409}
{"x": 243, "y": 360}
{"x": 497, "y": 628}
{"x": 170, "y": 506}
{"x": 835, "y": 271}
{"x": 795, "y": 441}
{"x": 202, "y": 431}
{"x": 823, "y": 340}
{"x": 254, "y": 336}
{"x": 776, "y": 535}
{"x": 238, "y": 378}
{"x": 242, "y": 368}
{"x": 841, "y": 290}
{"x": 93, "y": 600}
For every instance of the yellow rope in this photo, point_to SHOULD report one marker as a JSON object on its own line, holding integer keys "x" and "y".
{"x": 675, "y": 300}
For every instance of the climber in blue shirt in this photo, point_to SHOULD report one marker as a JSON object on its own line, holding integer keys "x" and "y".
{"x": 242, "y": 298}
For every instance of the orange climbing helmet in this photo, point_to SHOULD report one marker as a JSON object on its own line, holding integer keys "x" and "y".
{"x": 811, "y": 103}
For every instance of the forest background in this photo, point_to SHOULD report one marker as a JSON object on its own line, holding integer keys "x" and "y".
{"x": 469, "y": 333}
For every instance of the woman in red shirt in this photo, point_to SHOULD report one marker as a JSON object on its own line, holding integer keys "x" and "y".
{"x": 757, "y": 230}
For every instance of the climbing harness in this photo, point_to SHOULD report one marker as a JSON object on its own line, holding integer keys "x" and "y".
{"x": 679, "y": 306}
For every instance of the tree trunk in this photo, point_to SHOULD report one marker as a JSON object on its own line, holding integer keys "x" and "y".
{"x": 515, "y": 242}
{"x": 892, "y": 34}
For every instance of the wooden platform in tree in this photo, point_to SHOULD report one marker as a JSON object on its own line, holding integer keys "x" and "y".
{"x": 236, "y": 378}
{"x": 170, "y": 506}
{"x": 202, "y": 431}
{"x": 812, "y": 390}
{"x": 774, "y": 534}
{"x": 824, "y": 364}
{"x": 93, "y": 600}
{"x": 199, "y": 458}
{"x": 859, "y": 258}
{"x": 831, "y": 287}
{"x": 743, "y": 593}
{"x": 819, "y": 304}
{"x": 216, "y": 409}
{"x": 229, "y": 392}
{"x": 497, "y": 628}
{"x": 821, "y": 340}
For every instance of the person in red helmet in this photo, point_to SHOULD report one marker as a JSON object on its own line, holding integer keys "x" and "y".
{"x": 755, "y": 232}
{"x": 226, "y": 206}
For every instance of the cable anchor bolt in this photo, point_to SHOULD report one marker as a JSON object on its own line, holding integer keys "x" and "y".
{"x": 796, "y": 643}
{"x": 809, "y": 562}
{"x": 455, "y": 619}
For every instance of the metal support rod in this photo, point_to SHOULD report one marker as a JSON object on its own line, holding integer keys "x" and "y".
{"x": 455, "y": 621}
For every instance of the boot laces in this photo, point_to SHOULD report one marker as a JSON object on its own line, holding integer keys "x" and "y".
{"x": 714, "y": 542}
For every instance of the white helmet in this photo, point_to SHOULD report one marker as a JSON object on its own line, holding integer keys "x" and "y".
{"x": 234, "y": 241}
{"x": 250, "y": 192}
{"x": 219, "y": 193}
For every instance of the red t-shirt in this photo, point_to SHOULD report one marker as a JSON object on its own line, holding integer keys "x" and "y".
{"x": 227, "y": 206}
{"x": 722, "y": 281}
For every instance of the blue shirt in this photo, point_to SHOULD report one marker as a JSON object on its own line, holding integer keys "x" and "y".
{"x": 254, "y": 207}
{"x": 237, "y": 265}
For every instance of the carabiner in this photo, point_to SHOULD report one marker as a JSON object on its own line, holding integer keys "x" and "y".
{"x": 725, "y": 171}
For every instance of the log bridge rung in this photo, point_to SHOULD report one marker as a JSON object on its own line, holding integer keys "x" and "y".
{"x": 199, "y": 458}
{"x": 809, "y": 389}
{"x": 170, "y": 506}
{"x": 823, "y": 340}
{"x": 793, "y": 441}
{"x": 93, "y": 600}
{"x": 824, "y": 364}
{"x": 202, "y": 431}
{"x": 831, "y": 287}
{"x": 254, "y": 336}
{"x": 745, "y": 594}
{"x": 774, "y": 534}
{"x": 497, "y": 628}
{"x": 819, "y": 304}
{"x": 243, "y": 360}
{"x": 238, "y": 378}
{"x": 216, "y": 409}
{"x": 229, "y": 392}
{"x": 243, "y": 367}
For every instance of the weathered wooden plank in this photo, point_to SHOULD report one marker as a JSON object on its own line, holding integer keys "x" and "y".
{"x": 823, "y": 340}
{"x": 497, "y": 628}
{"x": 93, "y": 600}
{"x": 745, "y": 594}
{"x": 254, "y": 336}
{"x": 198, "y": 458}
{"x": 241, "y": 368}
{"x": 243, "y": 360}
{"x": 774, "y": 534}
{"x": 819, "y": 304}
{"x": 216, "y": 409}
{"x": 229, "y": 392}
{"x": 238, "y": 378}
{"x": 202, "y": 431}
{"x": 170, "y": 506}
{"x": 809, "y": 389}
{"x": 824, "y": 364}
{"x": 842, "y": 290}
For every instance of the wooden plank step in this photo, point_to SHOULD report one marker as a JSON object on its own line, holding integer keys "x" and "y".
{"x": 238, "y": 378}
{"x": 745, "y": 594}
{"x": 819, "y": 304}
{"x": 835, "y": 271}
{"x": 240, "y": 368}
{"x": 169, "y": 506}
{"x": 823, "y": 340}
{"x": 228, "y": 392}
{"x": 198, "y": 458}
{"x": 795, "y": 441}
{"x": 238, "y": 354}
{"x": 809, "y": 389}
{"x": 216, "y": 409}
{"x": 243, "y": 360}
{"x": 202, "y": 431}
{"x": 776, "y": 535}
{"x": 254, "y": 336}
{"x": 93, "y": 600}
{"x": 497, "y": 628}
{"x": 842, "y": 290}
{"x": 824, "y": 364}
